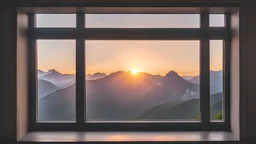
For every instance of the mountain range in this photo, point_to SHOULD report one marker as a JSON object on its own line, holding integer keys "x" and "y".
{"x": 215, "y": 81}
{"x": 181, "y": 110}
{"x": 53, "y": 80}
{"x": 117, "y": 96}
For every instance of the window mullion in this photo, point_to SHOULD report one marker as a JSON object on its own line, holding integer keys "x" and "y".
{"x": 226, "y": 68}
{"x": 205, "y": 71}
{"x": 80, "y": 72}
{"x": 32, "y": 73}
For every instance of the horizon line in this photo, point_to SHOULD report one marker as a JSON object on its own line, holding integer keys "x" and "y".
{"x": 72, "y": 73}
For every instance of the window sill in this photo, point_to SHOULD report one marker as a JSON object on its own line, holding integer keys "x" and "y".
{"x": 101, "y": 137}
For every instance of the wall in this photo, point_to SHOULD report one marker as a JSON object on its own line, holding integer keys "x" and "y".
{"x": 8, "y": 87}
{"x": 247, "y": 56}
{"x": 22, "y": 75}
{"x": 251, "y": 70}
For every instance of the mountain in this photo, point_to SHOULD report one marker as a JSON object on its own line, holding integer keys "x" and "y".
{"x": 178, "y": 110}
{"x": 158, "y": 109}
{"x": 40, "y": 73}
{"x": 215, "y": 108}
{"x": 119, "y": 96}
{"x": 215, "y": 81}
{"x": 216, "y": 98}
{"x": 87, "y": 76}
{"x": 187, "y": 77}
{"x": 156, "y": 78}
{"x": 182, "y": 111}
{"x": 58, "y": 106}
{"x": 45, "y": 88}
{"x": 180, "y": 89}
{"x": 57, "y": 78}
{"x": 96, "y": 76}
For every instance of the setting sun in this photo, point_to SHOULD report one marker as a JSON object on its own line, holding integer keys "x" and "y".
{"x": 134, "y": 71}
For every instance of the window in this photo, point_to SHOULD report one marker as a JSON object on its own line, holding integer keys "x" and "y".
{"x": 217, "y": 20}
{"x": 55, "y": 20}
{"x": 142, "y": 20}
{"x": 216, "y": 80}
{"x": 126, "y": 72}
{"x": 124, "y": 85}
{"x": 56, "y": 75}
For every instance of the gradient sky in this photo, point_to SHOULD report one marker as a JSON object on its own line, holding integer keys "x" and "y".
{"x": 156, "y": 57}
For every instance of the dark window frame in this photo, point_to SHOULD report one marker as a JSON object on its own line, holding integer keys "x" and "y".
{"x": 204, "y": 34}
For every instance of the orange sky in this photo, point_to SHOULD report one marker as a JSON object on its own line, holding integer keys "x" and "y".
{"x": 155, "y": 57}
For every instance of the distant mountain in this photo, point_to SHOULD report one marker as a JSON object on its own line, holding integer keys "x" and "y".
{"x": 45, "y": 88}
{"x": 216, "y": 98}
{"x": 57, "y": 78}
{"x": 96, "y": 76}
{"x": 155, "y": 78}
{"x": 187, "y": 77}
{"x": 178, "y": 110}
{"x": 215, "y": 81}
{"x": 182, "y": 111}
{"x": 158, "y": 109}
{"x": 87, "y": 76}
{"x": 180, "y": 89}
{"x": 40, "y": 73}
{"x": 119, "y": 96}
{"x": 58, "y": 106}
{"x": 215, "y": 108}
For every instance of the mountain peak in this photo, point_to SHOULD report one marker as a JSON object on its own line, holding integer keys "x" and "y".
{"x": 172, "y": 77}
{"x": 98, "y": 73}
{"x": 172, "y": 73}
{"x": 40, "y": 71}
{"x": 53, "y": 71}
{"x": 96, "y": 76}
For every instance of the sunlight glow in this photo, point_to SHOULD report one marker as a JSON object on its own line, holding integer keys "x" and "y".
{"x": 134, "y": 71}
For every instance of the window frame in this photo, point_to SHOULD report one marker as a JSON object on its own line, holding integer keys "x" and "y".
{"x": 204, "y": 34}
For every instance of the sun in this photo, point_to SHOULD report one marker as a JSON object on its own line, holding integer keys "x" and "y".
{"x": 134, "y": 71}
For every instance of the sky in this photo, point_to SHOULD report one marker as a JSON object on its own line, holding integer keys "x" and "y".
{"x": 151, "y": 56}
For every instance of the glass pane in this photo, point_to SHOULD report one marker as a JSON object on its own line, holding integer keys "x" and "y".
{"x": 142, "y": 20}
{"x": 56, "y": 80}
{"x": 217, "y": 20}
{"x": 142, "y": 80}
{"x": 55, "y": 20}
{"x": 216, "y": 81}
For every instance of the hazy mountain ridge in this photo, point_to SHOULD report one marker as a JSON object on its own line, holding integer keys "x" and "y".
{"x": 179, "y": 110}
{"x": 95, "y": 76}
{"x": 58, "y": 106}
{"x": 187, "y": 77}
{"x": 179, "y": 88}
{"x": 120, "y": 95}
{"x": 56, "y": 77}
{"x": 45, "y": 88}
{"x": 215, "y": 81}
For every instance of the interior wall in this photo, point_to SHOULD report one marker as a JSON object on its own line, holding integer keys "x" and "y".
{"x": 8, "y": 83}
{"x": 235, "y": 76}
{"x": 22, "y": 75}
{"x": 247, "y": 54}
{"x": 60, "y": 2}
{"x": 251, "y": 70}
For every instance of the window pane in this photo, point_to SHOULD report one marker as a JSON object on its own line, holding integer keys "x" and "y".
{"x": 143, "y": 20}
{"x": 55, "y": 20}
{"x": 217, "y": 20}
{"x": 216, "y": 81}
{"x": 142, "y": 80}
{"x": 56, "y": 80}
